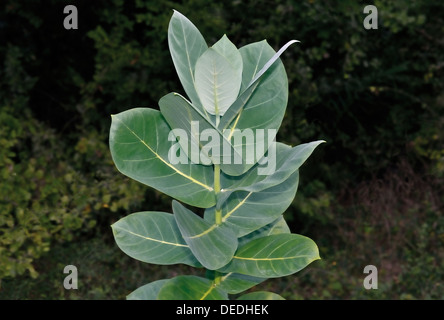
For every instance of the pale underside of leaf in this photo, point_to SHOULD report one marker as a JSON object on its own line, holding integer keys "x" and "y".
{"x": 217, "y": 82}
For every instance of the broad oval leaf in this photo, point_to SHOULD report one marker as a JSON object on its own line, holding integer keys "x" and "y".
{"x": 139, "y": 148}
{"x": 153, "y": 237}
{"x": 217, "y": 82}
{"x": 260, "y": 295}
{"x": 148, "y": 291}
{"x": 247, "y": 211}
{"x": 190, "y": 288}
{"x": 274, "y": 256}
{"x": 213, "y": 245}
{"x": 186, "y": 45}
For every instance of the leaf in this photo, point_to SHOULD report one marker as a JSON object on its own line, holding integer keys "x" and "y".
{"x": 246, "y": 211}
{"x": 287, "y": 161}
{"x": 186, "y": 45}
{"x": 148, "y": 291}
{"x": 198, "y": 137}
{"x": 260, "y": 295}
{"x": 139, "y": 148}
{"x": 262, "y": 102}
{"x": 229, "y": 51}
{"x": 211, "y": 244}
{"x": 234, "y": 283}
{"x": 153, "y": 237}
{"x": 271, "y": 61}
{"x": 278, "y": 226}
{"x": 217, "y": 82}
{"x": 190, "y": 288}
{"x": 273, "y": 256}
{"x": 258, "y": 58}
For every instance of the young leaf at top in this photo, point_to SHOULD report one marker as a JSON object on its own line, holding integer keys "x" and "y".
{"x": 217, "y": 82}
{"x": 228, "y": 50}
{"x": 186, "y": 45}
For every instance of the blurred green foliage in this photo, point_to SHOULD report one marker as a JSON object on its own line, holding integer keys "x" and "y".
{"x": 375, "y": 96}
{"x": 45, "y": 190}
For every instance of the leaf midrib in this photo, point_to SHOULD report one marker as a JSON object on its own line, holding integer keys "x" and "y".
{"x": 152, "y": 239}
{"x": 271, "y": 259}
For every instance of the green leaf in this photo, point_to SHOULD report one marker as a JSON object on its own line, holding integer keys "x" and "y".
{"x": 139, "y": 148}
{"x": 148, "y": 291}
{"x": 217, "y": 82}
{"x": 278, "y": 226}
{"x": 153, "y": 237}
{"x": 287, "y": 161}
{"x": 229, "y": 51}
{"x": 246, "y": 211}
{"x": 211, "y": 244}
{"x": 186, "y": 45}
{"x": 234, "y": 283}
{"x": 190, "y": 288}
{"x": 269, "y": 96}
{"x": 251, "y": 75}
{"x": 262, "y": 103}
{"x": 273, "y": 256}
{"x": 260, "y": 295}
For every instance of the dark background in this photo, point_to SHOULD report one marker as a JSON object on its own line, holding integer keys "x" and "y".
{"x": 372, "y": 195}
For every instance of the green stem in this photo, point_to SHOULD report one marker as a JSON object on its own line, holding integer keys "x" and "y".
{"x": 217, "y": 277}
{"x": 218, "y": 214}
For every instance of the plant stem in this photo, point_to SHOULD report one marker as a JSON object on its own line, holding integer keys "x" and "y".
{"x": 217, "y": 277}
{"x": 218, "y": 215}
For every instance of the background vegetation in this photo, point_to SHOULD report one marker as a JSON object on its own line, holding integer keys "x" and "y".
{"x": 374, "y": 194}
